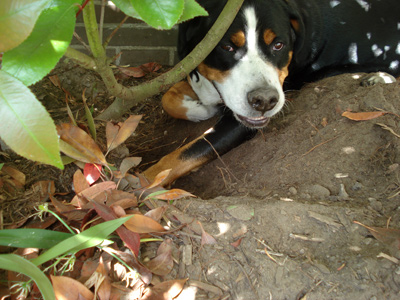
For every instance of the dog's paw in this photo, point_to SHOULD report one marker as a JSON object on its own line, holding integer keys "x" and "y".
{"x": 375, "y": 78}
{"x": 196, "y": 111}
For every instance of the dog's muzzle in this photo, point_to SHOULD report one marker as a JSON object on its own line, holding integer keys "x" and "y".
{"x": 261, "y": 100}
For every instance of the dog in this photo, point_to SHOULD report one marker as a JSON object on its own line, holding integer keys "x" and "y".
{"x": 273, "y": 45}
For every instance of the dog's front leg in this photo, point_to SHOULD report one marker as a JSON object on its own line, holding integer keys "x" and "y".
{"x": 224, "y": 136}
{"x": 182, "y": 102}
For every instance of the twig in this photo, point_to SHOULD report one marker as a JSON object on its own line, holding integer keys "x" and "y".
{"x": 391, "y": 258}
{"x": 305, "y": 238}
{"x": 101, "y": 23}
{"x": 316, "y": 146}
{"x": 220, "y": 159}
{"x": 105, "y": 44}
{"x": 247, "y": 276}
{"x": 82, "y": 42}
{"x": 384, "y": 126}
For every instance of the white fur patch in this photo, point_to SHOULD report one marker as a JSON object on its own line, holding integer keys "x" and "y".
{"x": 196, "y": 111}
{"x": 205, "y": 90}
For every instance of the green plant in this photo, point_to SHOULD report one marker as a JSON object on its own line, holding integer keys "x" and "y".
{"x": 61, "y": 246}
{"x": 35, "y": 34}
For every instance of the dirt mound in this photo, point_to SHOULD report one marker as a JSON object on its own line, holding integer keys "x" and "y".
{"x": 312, "y": 144}
{"x": 300, "y": 185}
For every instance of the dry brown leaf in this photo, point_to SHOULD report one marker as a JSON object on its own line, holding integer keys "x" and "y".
{"x": 118, "y": 210}
{"x": 135, "y": 72}
{"x": 92, "y": 192}
{"x": 165, "y": 290}
{"x": 55, "y": 81}
{"x": 121, "y": 198}
{"x": 162, "y": 264}
{"x": 363, "y": 116}
{"x": 66, "y": 288}
{"x": 44, "y": 188}
{"x": 103, "y": 287}
{"x": 165, "y": 246}
{"x": 151, "y": 67}
{"x": 388, "y": 236}
{"x": 80, "y": 183}
{"x": 156, "y": 213}
{"x": 206, "y": 238}
{"x": 128, "y": 163}
{"x": 126, "y": 129}
{"x": 76, "y": 143}
{"x": 111, "y": 132}
{"x": 324, "y": 122}
{"x": 159, "y": 178}
{"x": 174, "y": 194}
{"x": 14, "y": 173}
{"x": 60, "y": 207}
{"x": 143, "y": 224}
{"x": 237, "y": 243}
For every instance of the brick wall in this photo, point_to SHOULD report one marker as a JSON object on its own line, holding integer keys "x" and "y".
{"x": 138, "y": 42}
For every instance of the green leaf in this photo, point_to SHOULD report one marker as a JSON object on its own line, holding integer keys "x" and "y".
{"x": 160, "y": 14}
{"x": 49, "y": 40}
{"x": 94, "y": 236}
{"x": 26, "y": 126}
{"x": 191, "y": 10}
{"x": 31, "y": 238}
{"x": 15, "y": 263}
{"x": 127, "y": 8}
{"x": 17, "y": 19}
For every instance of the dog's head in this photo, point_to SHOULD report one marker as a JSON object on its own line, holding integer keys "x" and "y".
{"x": 250, "y": 63}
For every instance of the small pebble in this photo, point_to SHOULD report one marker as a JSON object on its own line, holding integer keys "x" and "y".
{"x": 375, "y": 204}
{"x": 342, "y": 193}
{"x": 292, "y": 190}
{"x": 357, "y": 186}
{"x": 317, "y": 190}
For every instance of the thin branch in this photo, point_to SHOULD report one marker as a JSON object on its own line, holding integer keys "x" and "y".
{"x": 81, "y": 58}
{"x": 103, "y": 7}
{"x": 82, "y": 42}
{"x": 107, "y": 41}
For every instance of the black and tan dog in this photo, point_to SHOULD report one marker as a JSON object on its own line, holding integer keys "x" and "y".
{"x": 272, "y": 45}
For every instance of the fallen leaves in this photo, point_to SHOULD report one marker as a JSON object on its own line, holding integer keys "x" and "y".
{"x": 76, "y": 143}
{"x": 389, "y": 236}
{"x": 165, "y": 290}
{"x": 97, "y": 199}
{"x": 142, "y": 224}
{"x": 363, "y": 116}
{"x": 140, "y": 71}
{"x": 67, "y": 288}
{"x": 117, "y": 133}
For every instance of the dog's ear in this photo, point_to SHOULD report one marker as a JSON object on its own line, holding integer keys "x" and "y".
{"x": 297, "y": 23}
{"x": 191, "y": 33}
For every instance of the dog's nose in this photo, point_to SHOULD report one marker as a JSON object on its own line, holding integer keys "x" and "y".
{"x": 263, "y": 99}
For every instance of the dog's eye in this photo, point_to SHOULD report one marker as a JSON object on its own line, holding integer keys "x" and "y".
{"x": 227, "y": 48}
{"x": 278, "y": 46}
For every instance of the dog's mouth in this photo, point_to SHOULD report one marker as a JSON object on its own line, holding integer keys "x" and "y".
{"x": 257, "y": 122}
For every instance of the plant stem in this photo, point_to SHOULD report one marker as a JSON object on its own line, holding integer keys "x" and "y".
{"x": 82, "y": 59}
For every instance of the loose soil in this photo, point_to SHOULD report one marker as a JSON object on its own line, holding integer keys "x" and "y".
{"x": 290, "y": 195}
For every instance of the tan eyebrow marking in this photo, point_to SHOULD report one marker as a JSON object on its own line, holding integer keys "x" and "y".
{"x": 269, "y": 36}
{"x": 238, "y": 38}
{"x": 284, "y": 72}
